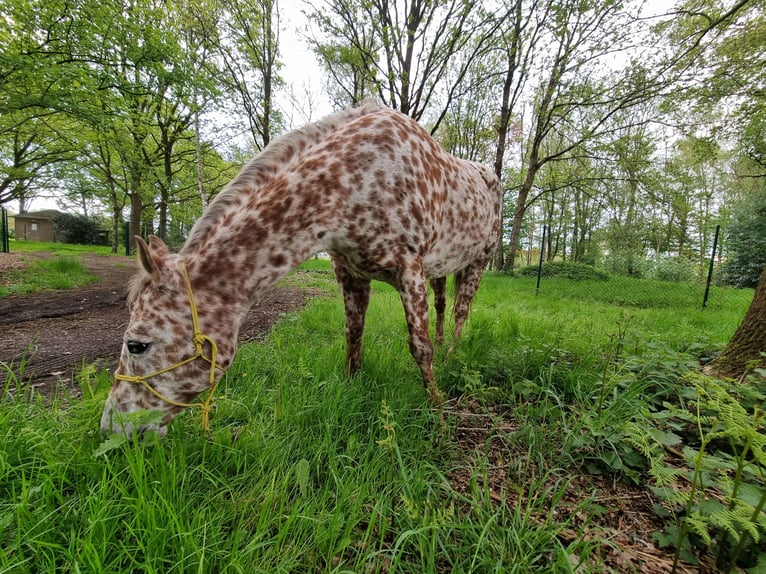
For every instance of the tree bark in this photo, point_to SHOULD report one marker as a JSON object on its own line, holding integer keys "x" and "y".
{"x": 748, "y": 342}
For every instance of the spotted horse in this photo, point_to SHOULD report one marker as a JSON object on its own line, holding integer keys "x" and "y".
{"x": 367, "y": 185}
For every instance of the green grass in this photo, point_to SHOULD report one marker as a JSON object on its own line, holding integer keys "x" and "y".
{"x": 63, "y": 271}
{"x": 306, "y": 471}
{"x": 45, "y": 275}
{"x": 58, "y": 248}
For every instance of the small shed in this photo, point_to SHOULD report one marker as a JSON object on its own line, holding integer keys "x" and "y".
{"x": 36, "y": 226}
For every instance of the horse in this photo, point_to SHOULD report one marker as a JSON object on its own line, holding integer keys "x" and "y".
{"x": 370, "y": 187}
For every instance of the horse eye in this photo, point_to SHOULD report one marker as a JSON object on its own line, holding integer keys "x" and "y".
{"x": 137, "y": 347}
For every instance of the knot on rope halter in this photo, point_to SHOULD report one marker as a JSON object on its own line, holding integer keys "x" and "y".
{"x": 199, "y": 339}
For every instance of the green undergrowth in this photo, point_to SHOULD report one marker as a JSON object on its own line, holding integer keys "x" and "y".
{"x": 307, "y": 471}
{"x": 565, "y": 270}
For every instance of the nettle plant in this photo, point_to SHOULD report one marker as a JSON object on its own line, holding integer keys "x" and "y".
{"x": 712, "y": 489}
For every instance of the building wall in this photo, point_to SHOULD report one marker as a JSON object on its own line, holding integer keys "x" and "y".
{"x": 34, "y": 229}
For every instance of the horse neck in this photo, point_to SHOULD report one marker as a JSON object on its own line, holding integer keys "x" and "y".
{"x": 264, "y": 235}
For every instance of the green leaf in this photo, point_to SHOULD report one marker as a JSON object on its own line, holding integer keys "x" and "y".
{"x": 665, "y": 438}
{"x": 302, "y": 475}
{"x": 114, "y": 441}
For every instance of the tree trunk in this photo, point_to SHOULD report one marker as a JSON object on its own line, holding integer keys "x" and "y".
{"x": 198, "y": 153}
{"x": 748, "y": 342}
{"x": 502, "y": 138}
{"x": 136, "y": 211}
{"x": 518, "y": 216}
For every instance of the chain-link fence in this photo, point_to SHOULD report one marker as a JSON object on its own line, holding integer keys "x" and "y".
{"x": 660, "y": 282}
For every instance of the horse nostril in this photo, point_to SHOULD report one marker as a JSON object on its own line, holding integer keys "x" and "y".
{"x": 137, "y": 347}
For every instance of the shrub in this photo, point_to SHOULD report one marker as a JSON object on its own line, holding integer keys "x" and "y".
{"x": 678, "y": 269}
{"x": 78, "y": 229}
{"x": 625, "y": 262}
{"x": 567, "y": 270}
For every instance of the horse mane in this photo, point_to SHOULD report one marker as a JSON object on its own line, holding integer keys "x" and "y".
{"x": 272, "y": 160}
{"x": 136, "y": 285}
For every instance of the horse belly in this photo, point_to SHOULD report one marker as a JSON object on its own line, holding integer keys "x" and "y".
{"x": 467, "y": 234}
{"x": 450, "y": 257}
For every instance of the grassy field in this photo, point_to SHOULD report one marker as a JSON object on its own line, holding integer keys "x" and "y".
{"x": 58, "y": 248}
{"x": 62, "y": 270}
{"x": 562, "y": 413}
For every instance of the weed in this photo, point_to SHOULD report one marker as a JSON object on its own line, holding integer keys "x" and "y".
{"x": 722, "y": 507}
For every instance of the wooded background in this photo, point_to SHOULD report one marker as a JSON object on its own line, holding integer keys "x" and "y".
{"x": 629, "y": 128}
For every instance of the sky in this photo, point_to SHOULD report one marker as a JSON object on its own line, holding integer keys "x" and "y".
{"x": 301, "y": 68}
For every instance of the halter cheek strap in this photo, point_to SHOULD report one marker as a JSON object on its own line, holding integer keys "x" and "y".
{"x": 199, "y": 340}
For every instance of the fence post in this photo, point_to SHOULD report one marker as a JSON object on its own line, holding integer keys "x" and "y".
{"x": 710, "y": 267}
{"x": 127, "y": 237}
{"x": 540, "y": 263}
{"x": 4, "y": 231}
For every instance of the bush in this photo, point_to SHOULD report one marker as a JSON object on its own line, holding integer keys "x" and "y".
{"x": 625, "y": 262}
{"x": 567, "y": 270}
{"x": 677, "y": 269}
{"x": 746, "y": 243}
{"x": 78, "y": 229}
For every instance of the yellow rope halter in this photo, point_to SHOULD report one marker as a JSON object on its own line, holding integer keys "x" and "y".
{"x": 199, "y": 342}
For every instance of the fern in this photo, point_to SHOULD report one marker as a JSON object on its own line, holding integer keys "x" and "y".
{"x": 699, "y": 525}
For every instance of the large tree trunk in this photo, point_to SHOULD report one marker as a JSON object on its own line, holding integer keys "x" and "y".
{"x": 748, "y": 342}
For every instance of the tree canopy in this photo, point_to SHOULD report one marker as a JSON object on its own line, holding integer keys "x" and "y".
{"x": 629, "y": 134}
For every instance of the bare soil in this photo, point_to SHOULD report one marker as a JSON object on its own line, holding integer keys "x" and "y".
{"x": 54, "y": 333}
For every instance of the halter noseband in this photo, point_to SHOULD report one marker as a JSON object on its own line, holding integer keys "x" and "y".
{"x": 199, "y": 343}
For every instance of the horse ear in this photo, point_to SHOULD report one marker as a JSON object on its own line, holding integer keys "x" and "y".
{"x": 151, "y": 256}
{"x": 158, "y": 246}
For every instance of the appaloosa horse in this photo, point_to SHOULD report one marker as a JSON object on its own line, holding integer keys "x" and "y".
{"x": 367, "y": 185}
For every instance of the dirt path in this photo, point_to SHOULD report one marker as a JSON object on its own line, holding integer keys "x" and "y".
{"x": 56, "y": 332}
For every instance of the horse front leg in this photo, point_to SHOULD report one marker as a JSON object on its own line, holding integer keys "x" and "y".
{"x": 356, "y": 298}
{"x": 411, "y": 285}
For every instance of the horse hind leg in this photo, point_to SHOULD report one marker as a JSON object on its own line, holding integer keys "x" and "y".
{"x": 356, "y": 298}
{"x": 466, "y": 284}
{"x": 411, "y": 285}
{"x": 439, "y": 287}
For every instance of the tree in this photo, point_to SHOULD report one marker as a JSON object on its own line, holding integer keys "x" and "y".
{"x": 519, "y": 36}
{"x": 722, "y": 54}
{"x": 39, "y": 86}
{"x": 249, "y": 49}
{"x": 746, "y": 242}
{"x": 464, "y": 131}
{"x": 349, "y": 65}
{"x": 576, "y": 92}
{"x": 748, "y": 344}
{"x": 407, "y": 52}
{"x": 30, "y": 149}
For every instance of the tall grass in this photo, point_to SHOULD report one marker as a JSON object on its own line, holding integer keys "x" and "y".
{"x": 306, "y": 471}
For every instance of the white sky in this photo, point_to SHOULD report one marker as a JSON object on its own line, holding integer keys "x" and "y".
{"x": 300, "y": 71}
